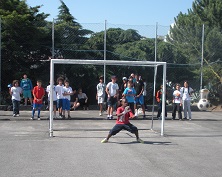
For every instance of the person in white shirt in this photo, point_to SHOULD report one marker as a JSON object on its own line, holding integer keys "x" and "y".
{"x": 100, "y": 95}
{"x": 112, "y": 90}
{"x": 54, "y": 98}
{"x": 177, "y": 103}
{"x": 59, "y": 92}
{"x": 67, "y": 92}
{"x": 15, "y": 92}
{"x": 83, "y": 100}
{"x": 186, "y": 91}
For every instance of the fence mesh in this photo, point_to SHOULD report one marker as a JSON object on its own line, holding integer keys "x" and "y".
{"x": 27, "y": 48}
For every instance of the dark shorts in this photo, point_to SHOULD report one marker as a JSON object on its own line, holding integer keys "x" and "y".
{"x": 54, "y": 103}
{"x": 66, "y": 104}
{"x": 59, "y": 103}
{"x": 118, "y": 127}
{"x": 139, "y": 100}
{"x": 112, "y": 101}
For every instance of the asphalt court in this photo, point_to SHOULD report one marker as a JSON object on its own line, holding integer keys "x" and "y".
{"x": 188, "y": 148}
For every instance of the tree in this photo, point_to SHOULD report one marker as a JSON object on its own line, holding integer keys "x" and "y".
{"x": 186, "y": 36}
{"x": 23, "y": 30}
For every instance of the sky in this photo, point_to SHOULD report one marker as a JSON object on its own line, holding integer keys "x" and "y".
{"x": 127, "y": 12}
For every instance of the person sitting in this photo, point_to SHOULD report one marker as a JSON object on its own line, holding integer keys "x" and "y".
{"x": 74, "y": 102}
{"x": 83, "y": 100}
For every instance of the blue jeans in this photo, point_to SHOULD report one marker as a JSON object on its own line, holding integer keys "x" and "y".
{"x": 15, "y": 104}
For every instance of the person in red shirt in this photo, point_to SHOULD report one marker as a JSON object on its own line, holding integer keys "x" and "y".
{"x": 122, "y": 123}
{"x": 38, "y": 94}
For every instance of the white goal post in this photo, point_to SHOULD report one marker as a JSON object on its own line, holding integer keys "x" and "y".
{"x": 105, "y": 62}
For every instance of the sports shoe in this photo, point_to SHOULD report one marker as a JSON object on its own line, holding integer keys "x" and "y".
{"x": 69, "y": 117}
{"x": 140, "y": 141}
{"x": 32, "y": 118}
{"x": 136, "y": 113}
{"x": 144, "y": 116}
{"x": 108, "y": 117}
{"x": 63, "y": 117}
{"x": 14, "y": 115}
{"x": 39, "y": 118}
{"x": 104, "y": 141}
{"x": 17, "y": 115}
{"x": 111, "y": 117}
{"x": 190, "y": 119}
{"x": 100, "y": 114}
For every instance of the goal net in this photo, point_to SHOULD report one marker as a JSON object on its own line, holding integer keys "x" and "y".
{"x": 106, "y": 62}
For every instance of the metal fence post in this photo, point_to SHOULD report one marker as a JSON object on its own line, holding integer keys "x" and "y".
{"x": 155, "y": 73}
{"x": 53, "y": 39}
{"x": 0, "y": 61}
{"x": 202, "y": 58}
{"x": 104, "y": 70}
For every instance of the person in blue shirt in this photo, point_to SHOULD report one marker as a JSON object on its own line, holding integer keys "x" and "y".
{"x": 27, "y": 87}
{"x": 129, "y": 93}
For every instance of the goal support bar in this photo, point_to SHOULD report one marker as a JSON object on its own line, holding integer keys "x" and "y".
{"x": 106, "y": 62}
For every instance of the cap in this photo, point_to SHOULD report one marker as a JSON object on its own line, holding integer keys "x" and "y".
{"x": 113, "y": 77}
{"x": 124, "y": 78}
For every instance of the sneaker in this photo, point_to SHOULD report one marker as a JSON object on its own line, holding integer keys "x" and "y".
{"x": 63, "y": 117}
{"x": 111, "y": 117}
{"x": 60, "y": 116}
{"x": 39, "y": 118}
{"x": 140, "y": 141}
{"x": 32, "y": 118}
{"x": 144, "y": 116}
{"x": 100, "y": 114}
{"x": 104, "y": 141}
{"x": 180, "y": 119}
{"x": 190, "y": 119}
{"x": 14, "y": 115}
{"x": 17, "y": 115}
{"x": 69, "y": 117}
{"x": 108, "y": 117}
{"x": 136, "y": 113}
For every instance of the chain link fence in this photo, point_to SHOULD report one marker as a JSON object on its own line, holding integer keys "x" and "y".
{"x": 27, "y": 48}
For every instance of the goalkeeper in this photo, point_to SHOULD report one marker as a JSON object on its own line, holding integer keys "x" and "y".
{"x": 122, "y": 123}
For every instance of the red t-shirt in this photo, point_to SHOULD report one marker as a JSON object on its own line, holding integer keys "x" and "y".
{"x": 124, "y": 119}
{"x": 39, "y": 92}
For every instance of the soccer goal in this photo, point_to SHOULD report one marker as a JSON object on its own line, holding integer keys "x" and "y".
{"x": 105, "y": 62}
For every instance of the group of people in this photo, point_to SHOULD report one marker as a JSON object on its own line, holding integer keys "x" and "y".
{"x": 66, "y": 99}
{"x": 25, "y": 88}
{"x": 132, "y": 89}
{"x": 124, "y": 99}
{"x": 181, "y": 101}
{"x": 61, "y": 97}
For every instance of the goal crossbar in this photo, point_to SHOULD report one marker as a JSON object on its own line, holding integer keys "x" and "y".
{"x": 105, "y": 62}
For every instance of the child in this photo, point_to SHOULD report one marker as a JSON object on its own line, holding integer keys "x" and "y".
{"x": 26, "y": 85}
{"x": 15, "y": 92}
{"x": 67, "y": 91}
{"x": 112, "y": 90}
{"x": 177, "y": 103}
{"x": 59, "y": 92}
{"x": 54, "y": 98}
{"x": 38, "y": 94}
{"x": 83, "y": 100}
{"x": 100, "y": 95}
{"x": 186, "y": 91}
{"x": 139, "y": 87}
{"x": 159, "y": 101}
{"x": 122, "y": 122}
{"x": 129, "y": 93}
